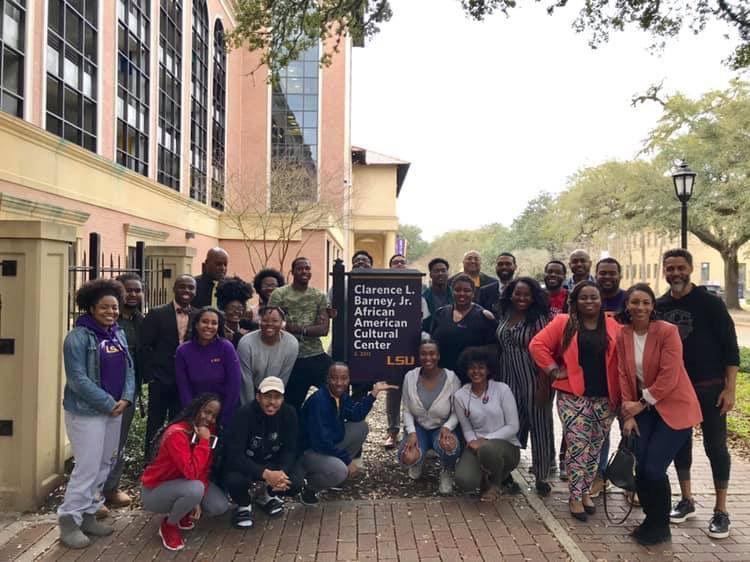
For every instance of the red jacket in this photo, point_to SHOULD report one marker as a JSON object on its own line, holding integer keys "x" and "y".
{"x": 546, "y": 349}
{"x": 664, "y": 374}
{"x": 177, "y": 458}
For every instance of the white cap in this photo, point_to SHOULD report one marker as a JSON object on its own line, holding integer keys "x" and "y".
{"x": 271, "y": 383}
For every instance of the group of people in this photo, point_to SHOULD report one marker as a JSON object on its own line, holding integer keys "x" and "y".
{"x": 230, "y": 417}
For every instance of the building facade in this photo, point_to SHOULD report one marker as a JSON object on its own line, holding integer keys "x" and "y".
{"x": 640, "y": 253}
{"x": 131, "y": 118}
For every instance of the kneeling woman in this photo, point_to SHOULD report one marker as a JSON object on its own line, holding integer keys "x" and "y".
{"x": 176, "y": 482}
{"x": 429, "y": 419}
{"x": 487, "y": 412}
{"x": 659, "y": 405}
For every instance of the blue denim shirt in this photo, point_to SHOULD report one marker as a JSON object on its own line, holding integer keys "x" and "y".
{"x": 83, "y": 393}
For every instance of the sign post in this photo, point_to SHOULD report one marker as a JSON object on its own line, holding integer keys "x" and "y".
{"x": 384, "y": 323}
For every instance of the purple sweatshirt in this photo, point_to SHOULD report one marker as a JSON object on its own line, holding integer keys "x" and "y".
{"x": 209, "y": 368}
{"x": 113, "y": 359}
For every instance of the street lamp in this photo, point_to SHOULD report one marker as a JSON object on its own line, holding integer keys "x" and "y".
{"x": 684, "y": 180}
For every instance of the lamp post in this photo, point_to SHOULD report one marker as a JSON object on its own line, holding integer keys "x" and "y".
{"x": 684, "y": 180}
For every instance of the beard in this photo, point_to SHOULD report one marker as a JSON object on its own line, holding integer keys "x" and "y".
{"x": 678, "y": 284}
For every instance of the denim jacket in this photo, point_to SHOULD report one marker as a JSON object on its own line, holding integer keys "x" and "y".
{"x": 84, "y": 394}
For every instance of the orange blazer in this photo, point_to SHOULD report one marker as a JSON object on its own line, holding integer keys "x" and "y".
{"x": 664, "y": 374}
{"x": 546, "y": 349}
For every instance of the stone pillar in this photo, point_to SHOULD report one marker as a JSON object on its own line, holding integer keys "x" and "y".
{"x": 33, "y": 324}
{"x": 177, "y": 259}
{"x": 390, "y": 247}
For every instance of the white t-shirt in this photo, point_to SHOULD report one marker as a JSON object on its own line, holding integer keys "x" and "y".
{"x": 639, "y": 343}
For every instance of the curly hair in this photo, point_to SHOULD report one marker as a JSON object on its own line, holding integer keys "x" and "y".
{"x": 268, "y": 272}
{"x": 623, "y": 317}
{"x": 188, "y": 414}
{"x": 91, "y": 292}
{"x": 539, "y": 301}
{"x": 196, "y": 318}
{"x": 477, "y": 355}
{"x": 232, "y": 289}
{"x": 574, "y": 322}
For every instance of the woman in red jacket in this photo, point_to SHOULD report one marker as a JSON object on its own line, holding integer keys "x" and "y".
{"x": 577, "y": 350}
{"x": 176, "y": 481}
{"x": 659, "y": 405}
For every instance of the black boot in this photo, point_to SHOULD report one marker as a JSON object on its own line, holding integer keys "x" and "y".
{"x": 643, "y": 491}
{"x": 660, "y": 503}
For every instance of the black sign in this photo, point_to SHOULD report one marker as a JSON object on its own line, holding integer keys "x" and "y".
{"x": 384, "y": 323}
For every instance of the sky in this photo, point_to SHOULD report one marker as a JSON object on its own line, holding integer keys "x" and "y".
{"x": 492, "y": 113}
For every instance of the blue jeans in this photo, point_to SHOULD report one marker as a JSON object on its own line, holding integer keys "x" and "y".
{"x": 430, "y": 439}
{"x": 657, "y": 445}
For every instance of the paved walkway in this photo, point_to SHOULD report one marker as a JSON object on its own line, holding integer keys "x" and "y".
{"x": 522, "y": 527}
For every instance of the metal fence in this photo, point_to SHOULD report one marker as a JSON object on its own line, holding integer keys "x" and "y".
{"x": 93, "y": 264}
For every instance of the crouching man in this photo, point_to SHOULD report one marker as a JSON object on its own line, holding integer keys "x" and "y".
{"x": 261, "y": 448}
{"x": 334, "y": 430}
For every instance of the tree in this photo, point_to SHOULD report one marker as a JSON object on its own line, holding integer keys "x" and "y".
{"x": 282, "y": 29}
{"x": 416, "y": 245}
{"x": 276, "y": 223}
{"x": 712, "y": 134}
{"x": 538, "y": 226}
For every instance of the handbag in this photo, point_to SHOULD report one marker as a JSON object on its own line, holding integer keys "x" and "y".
{"x": 621, "y": 472}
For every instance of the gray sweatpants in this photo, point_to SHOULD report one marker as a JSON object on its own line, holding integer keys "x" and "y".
{"x": 94, "y": 441}
{"x": 113, "y": 480}
{"x": 179, "y": 497}
{"x": 325, "y": 471}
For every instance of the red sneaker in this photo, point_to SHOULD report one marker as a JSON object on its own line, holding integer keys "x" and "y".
{"x": 171, "y": 536}
{"x": 187, "y": 523}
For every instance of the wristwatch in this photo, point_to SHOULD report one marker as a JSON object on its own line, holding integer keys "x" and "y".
{"x": 643, "y": 402}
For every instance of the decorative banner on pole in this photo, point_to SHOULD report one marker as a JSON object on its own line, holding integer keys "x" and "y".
{"x": 384, "y": 323}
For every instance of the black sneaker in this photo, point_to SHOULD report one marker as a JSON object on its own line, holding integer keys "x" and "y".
{"x": 719, "y": 526}
{"x": 242, "y": 518}
{"x": 272, "y": 505}
{"x": 511, "y": 487}
{"x": 683, "y": 511}
{"x": 308, "y": 496}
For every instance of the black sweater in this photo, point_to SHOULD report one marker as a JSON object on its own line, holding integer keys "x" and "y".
{"x": 256, "y": 441}
{"x": 709, "y": 341}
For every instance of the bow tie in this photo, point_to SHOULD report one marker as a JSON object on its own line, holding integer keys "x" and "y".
{"x": 181, "y": 310}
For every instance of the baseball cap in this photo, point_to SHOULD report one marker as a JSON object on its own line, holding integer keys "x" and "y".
{"x": 271, "y": 383}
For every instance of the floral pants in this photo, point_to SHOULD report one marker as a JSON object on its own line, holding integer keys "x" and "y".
{"x": 586, "y": 421}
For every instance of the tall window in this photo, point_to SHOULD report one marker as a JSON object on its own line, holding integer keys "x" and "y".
{"x": 219, "y": 118}
{"x": 199, "y": 103}
{"x": 170, "y": 92}
{"x": 133, "y": 68}
{"x": 12, "y": 41}
{"x": 72, "y": 70}
{"x": 294, "y": 120}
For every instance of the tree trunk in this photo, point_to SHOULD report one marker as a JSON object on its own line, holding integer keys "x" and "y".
{"x": 731, "y": 276}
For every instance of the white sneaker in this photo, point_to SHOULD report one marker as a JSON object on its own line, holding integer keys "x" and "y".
{"x": 415, "y": 471}
{"x": 446, "y": 482}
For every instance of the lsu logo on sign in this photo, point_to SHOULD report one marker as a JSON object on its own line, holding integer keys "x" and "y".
{"x": 400, "y": 360}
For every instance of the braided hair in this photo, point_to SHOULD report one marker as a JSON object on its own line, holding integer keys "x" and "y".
{"x": 188, "y": 414}
{"x": 573, "y": 325}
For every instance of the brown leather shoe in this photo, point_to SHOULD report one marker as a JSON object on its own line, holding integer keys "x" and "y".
{"x": 102, "y": 512}
{"x": 118, "y": 498}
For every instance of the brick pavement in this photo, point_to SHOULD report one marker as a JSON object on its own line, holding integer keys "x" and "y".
{"x": 428, "y": 530}
{"x": 599, "y": 540}
{"x": 516, "y": 528}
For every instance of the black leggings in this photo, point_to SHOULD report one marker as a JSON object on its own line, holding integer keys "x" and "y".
{"x": 714, "y": 428}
